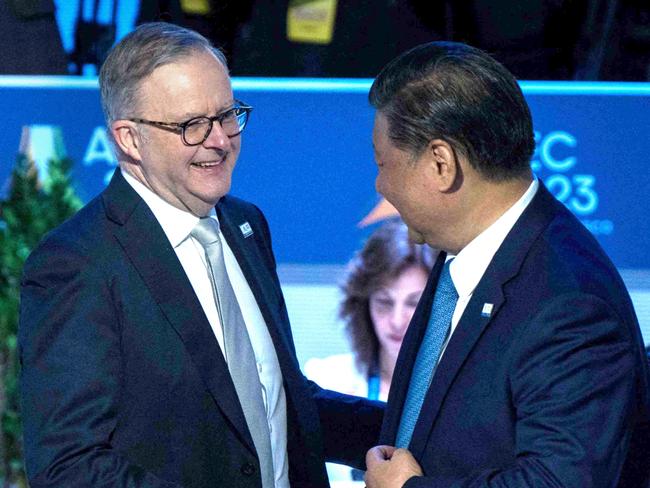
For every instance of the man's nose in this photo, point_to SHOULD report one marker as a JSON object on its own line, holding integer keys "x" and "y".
{"x": 217, "y": 137}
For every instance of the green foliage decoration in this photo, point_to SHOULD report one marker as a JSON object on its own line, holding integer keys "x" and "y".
{"x": 32, "y": 208}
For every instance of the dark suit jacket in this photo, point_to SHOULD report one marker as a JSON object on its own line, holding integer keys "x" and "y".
{"x": 547, "y": 390}
{"x": 123, "y": 381}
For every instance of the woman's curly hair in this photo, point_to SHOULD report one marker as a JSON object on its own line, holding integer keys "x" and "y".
{"x": 386, "y": 253}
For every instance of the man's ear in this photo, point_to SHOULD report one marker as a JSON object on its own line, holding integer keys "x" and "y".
{"x": 127, "y": 138}
{"x": 444, "y": 163}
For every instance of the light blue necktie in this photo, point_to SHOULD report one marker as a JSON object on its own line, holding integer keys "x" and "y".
{"x": 444, "y": 303}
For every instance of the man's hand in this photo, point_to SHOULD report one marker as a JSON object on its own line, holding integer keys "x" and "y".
{"x": 389, "y": 467}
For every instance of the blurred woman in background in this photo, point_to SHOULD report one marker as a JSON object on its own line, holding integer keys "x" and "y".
{"x": 382, "y": 288}
{"x": 383, "y": 285}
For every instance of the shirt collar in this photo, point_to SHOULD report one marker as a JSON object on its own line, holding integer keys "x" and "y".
{"x": 176, "y": 223}
{"x": 472, "y": 261}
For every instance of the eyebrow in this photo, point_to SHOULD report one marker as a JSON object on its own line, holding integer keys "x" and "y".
{"x": 413, "y": 294}
{"x": 189, "y": 116}
{"x": 192, "y": 115}
{"x": 381, "y": 291}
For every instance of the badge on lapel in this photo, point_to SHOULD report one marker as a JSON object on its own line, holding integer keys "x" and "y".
{"x": 487, "y": 310}
{"x": 246, "y": 229}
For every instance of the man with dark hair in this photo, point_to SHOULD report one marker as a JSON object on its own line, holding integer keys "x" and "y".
{"x": 523, "y": 364}
{"x": 154, "y": 339}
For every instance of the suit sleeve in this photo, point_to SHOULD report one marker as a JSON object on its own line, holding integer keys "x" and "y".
{"x": 350, "y": 425}
{"x": 573, "y": 389}
{"x": 69, "y": 341}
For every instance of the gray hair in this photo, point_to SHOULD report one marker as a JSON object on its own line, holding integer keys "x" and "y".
{"x": 135, "y": 57}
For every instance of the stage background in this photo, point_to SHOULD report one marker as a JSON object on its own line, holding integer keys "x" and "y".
{"x": 307, "y": 161}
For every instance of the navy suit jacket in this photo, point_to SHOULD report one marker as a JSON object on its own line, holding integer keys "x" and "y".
{"x": 548, "y": 388}
{"x": 123, "y": 382}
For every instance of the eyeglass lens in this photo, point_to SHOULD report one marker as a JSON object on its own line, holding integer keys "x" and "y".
{"x": 232, "y": 123}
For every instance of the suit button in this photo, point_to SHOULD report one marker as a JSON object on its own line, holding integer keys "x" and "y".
{"x": 248, "y": 469}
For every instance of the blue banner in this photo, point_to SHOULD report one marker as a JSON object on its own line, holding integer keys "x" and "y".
{"x": 307, "y": 157}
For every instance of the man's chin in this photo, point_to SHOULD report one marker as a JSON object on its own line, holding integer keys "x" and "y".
{"x": 416, "y": 237}
{"x": 202, "y": 205}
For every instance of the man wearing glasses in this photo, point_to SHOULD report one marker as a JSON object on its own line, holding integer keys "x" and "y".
{"x": 154, "y": 338}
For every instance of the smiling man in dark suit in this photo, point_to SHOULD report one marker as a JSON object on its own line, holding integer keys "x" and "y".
{"x": 154, "y": 339}
{"x": 523, "y": 365}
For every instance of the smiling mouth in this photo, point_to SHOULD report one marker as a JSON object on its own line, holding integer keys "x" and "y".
{"x": 208, "y": 164}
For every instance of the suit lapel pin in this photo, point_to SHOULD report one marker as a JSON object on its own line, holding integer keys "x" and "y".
{"x": 246, "y": 229}
{"x": 487, "y": 310}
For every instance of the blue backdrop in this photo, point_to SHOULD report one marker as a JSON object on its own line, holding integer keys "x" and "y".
{"x": 307, "y": 159}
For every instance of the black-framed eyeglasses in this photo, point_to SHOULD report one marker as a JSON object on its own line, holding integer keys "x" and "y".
{"x": 196, "y": 130}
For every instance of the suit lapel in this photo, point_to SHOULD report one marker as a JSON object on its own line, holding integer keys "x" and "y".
{"x": 150, "y": 252}
{"x": 257, "y": 275}
{"x": 467, "y": 332}
{"x": 504, "y": 266}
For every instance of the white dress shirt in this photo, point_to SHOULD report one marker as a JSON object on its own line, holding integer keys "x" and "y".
{"x": 469, "y": 265}
{"x": 177, "y": 225}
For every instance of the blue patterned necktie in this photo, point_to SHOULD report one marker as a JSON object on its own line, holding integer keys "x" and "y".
{"x": 444, "y": 303}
